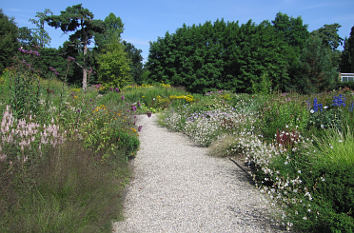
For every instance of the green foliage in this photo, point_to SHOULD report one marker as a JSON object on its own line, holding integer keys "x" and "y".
{"x": 114, "y": 66}
{"x": 283, "y": 116}
{"x": 263, "y": 87}
{"x": 68, "y": 191}
{"x": 218, "y": 56}
{"x": 318, "y": 73}
{"x": 25, "y": 37}
{"x": 63, "y": 187}
{"x": 347, "y": 59}
{"x": 309, "y": 177}
{"x": 8, "y": 41}
{"x": 24, "y": 93}
{"x": 80, "y": 20}
{"x": 40, "y": 35}
{"x": 229, "y": 56}
{"x": 113, "y": 28}
{"x": 136, "y": 65}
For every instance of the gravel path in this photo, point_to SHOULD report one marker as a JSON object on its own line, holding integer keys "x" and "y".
{"x": 177, "y": 187}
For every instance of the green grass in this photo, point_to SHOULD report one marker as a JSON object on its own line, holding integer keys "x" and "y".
{"x": 68, "y": 191}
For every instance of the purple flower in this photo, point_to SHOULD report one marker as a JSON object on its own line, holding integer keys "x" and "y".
{"x": 70, "y": 59}
{"x": 122, "y": 97}
{"x": 148, "y": 114}
{"x": 117, "y": 89}
{"x": 36, "y": 53}
{"x": 139, "y": 128}
{"x": 133, "y": 108}
{"x": 138, "y": 104}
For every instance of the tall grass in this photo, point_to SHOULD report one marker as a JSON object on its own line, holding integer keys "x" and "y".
{"x": 68, "y": 191}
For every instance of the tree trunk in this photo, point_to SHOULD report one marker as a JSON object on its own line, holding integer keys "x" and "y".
{"x": 84, "y": 69}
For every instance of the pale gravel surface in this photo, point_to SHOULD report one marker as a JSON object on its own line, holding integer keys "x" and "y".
{"x": 177, "y": 187}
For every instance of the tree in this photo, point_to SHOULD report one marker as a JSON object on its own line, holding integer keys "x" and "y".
{"x": 8, "y": 41}
{"x": 329, "y": 35}
{"x": 80, "y": 20}
{"x": 317, "y": 71}
{"x": 114, "y": 66}
{"x": 136, "y": 65}
{"x": 25, "y": 37}
{"x": 40, "y": 35}
{"x": 347, "y": 59}
{"x": 113, "y": 28}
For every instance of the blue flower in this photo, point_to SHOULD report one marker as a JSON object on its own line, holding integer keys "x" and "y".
{"x": 338, "y": 101}
{"x": 316, "y": 106}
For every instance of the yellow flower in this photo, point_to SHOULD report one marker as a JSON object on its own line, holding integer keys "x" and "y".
{"x": 132, "y": 129}
{"x": 75, "y": 97}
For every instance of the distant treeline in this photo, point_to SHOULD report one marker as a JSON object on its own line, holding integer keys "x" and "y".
{"x": 279, "y": 55}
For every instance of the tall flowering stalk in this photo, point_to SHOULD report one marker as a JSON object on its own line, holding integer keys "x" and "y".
{"x": 23, "y": 140}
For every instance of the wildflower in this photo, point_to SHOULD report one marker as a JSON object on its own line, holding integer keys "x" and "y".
{"x": 148, "y": 114}
{"x": 122, "y": 97}
{"x": 133, "y": 129}
{"x": 117, "y": 89}
{"x": 316, "y": 106}
{"x": 133, "y": 108}
{"x": 139, "y": 128}
{"x": 304, "y": 218}
{"x": 338, "y": 101}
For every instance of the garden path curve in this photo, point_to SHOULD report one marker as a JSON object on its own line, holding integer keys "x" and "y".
{"x": 177, "y": 187}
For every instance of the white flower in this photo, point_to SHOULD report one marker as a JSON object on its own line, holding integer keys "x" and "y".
{"x": 325, "y": 107}
{"x": 304, "y": 218}
{"x": 312, "y": 111}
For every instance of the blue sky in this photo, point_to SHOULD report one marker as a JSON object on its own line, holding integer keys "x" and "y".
{"x": 145, "y": 21}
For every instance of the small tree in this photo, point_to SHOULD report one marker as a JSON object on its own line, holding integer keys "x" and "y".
{"x": 114, "y": 66}
{"x": 78, "y": 19}
{"x": 40, "y": 35}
